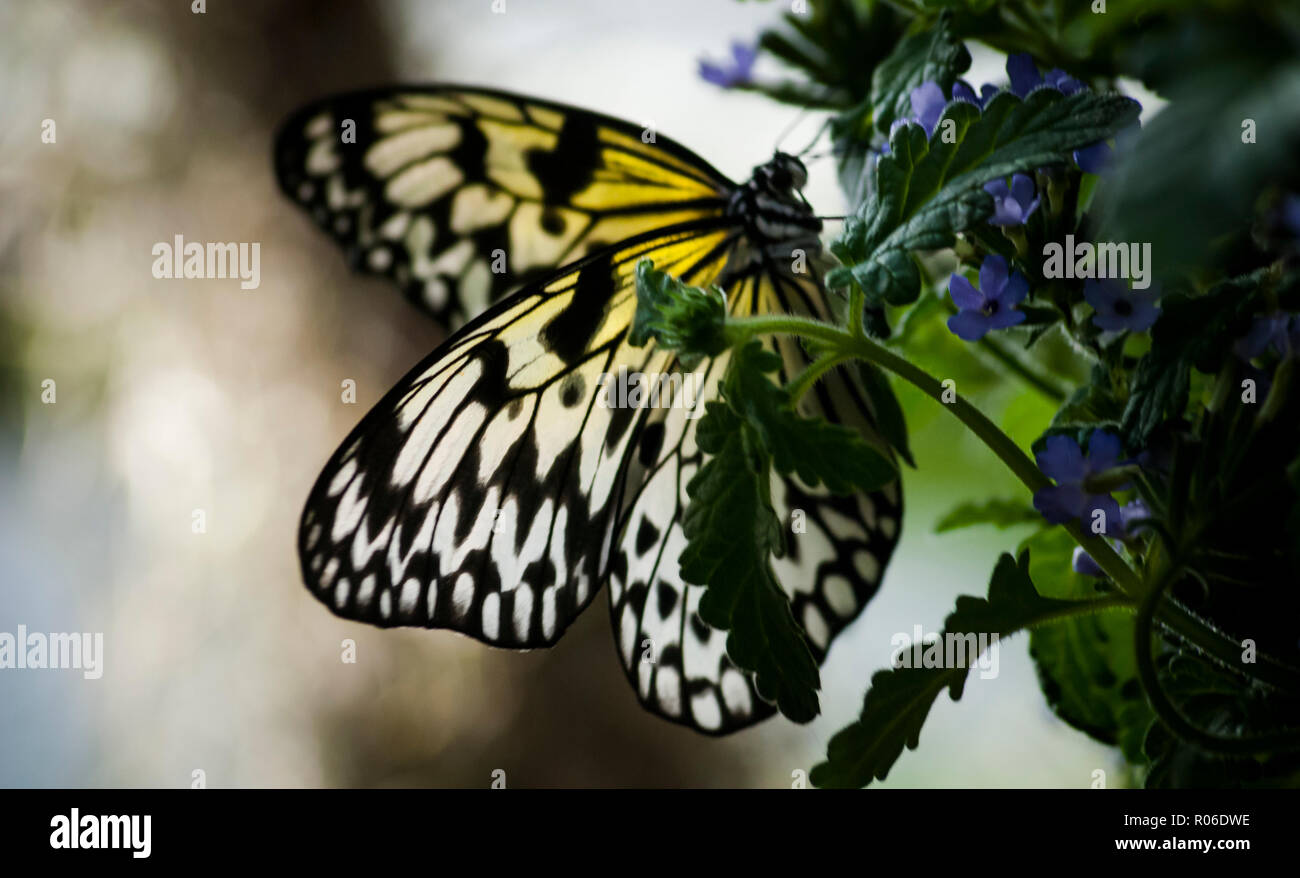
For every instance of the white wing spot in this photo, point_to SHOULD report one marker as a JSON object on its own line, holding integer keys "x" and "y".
{"x": 523, "y": 610}
{"x": 366, "y": 591}
{"x": 706, "y": 710}
{"x": 735, "y": 692}
{"x": 867, "y": 565}
{"x": 815, "y": 625}
{"x": 839, "y": 594}
{"x": 668, "y": 689}
{"x": 462, "y": 595}
{"x": 492, "y": 616}
{"x": 410, "y": 596}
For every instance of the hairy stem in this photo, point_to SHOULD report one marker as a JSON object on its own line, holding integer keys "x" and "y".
{"x": 1168, "y": 712}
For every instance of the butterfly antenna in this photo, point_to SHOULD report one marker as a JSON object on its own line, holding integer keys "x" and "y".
{"x": 793, "y": 124}
{"x": 816, "y": 137}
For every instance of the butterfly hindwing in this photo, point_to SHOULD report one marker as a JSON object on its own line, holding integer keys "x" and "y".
{"x": 479, "y": 494}
{"x": 837, "y": 548}
{"x": 462, "y": 195}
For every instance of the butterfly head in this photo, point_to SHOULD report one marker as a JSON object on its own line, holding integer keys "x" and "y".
{"x": 772, "y": 204}
{"x": 783, "y": 176}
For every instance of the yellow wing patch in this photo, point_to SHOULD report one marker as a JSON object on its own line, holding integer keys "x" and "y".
{"x": 462, "y": 196}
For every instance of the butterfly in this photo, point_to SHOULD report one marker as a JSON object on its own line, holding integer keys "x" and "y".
{"x": 490, "y": 492}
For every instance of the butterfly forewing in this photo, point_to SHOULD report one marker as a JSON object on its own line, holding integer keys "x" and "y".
{"x": 478, "y": 494}
{"x": 463, "y": 195}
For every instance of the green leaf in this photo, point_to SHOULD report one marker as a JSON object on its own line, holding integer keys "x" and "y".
{"x": 732, "y": 532}
{"x": 885, "y": 407}
{"x": 836, "y": 47}
{"x": 1086, "y": 665}
{"x": 999, "y": 512}
{"x": 816, "y": 450}
{"x": 928, "y": 190}
{"x": 680, "y": 317}
{"x": 935, "y": 55}
{"x": 1190, "y": 332}
{"x": 900, "y": 699}
{"x": 1216, "y": 73}
{"x": 1092, "y": 405}
{"x": 1225, "y": 705}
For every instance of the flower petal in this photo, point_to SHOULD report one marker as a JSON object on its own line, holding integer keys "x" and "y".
{"x": 1083, "y": 563}
{"x": 1060, "y": 503}
{"x": 993, "y": 276}
{"x": 969, "y": 325}
{"x": 1143, "y": 317}
{"x": 1061, "y": 459}
{"x": 1006, "y": 318}
{"x": 964, "y": 296}
{"x": 1094, "y": 158}
{"x": 1023, "y": 73}
{"x": 1015, "y": 291}
{"x": 1110, "y": 519}
{"x": 1022, "y": 189}
{"x": 927, "y": 105}
{"x": 961, "y": 91}
{"x": 1102, "y": 294}
{"x": 1104, "y": 450}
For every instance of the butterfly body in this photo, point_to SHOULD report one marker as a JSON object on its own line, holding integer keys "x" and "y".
{"x": 490, "y": 491}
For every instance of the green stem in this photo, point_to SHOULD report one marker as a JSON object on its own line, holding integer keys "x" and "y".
{"x": 816, "y": 369}
{"x": 1032, "y": 378}
{"x": 998, "y": 442}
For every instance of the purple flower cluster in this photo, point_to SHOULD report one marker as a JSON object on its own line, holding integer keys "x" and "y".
{"x": 1025, "y": 78}
{"x": 928, "y": 102}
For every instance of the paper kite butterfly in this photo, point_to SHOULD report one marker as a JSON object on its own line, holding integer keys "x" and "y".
{"x": 488, "y": 492}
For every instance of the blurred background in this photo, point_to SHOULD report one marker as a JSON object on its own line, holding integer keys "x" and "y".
{"x": 174, "y": 396}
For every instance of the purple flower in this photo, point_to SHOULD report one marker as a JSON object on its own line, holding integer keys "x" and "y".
{"x": 1062, "y": 460}
{"x": 734, "y": 72}
{"x": 1094, "y": 159}
{"x": 962, "y": 91}
{"x": 1290, "y": 213}
{"x": 1266, "y": 331}
{"x": 1025, "y": 77}
{"x": 1119, "y": 308}
{"x": 927, "y": 105}
{"x": 1082, "y": 563}
{"x": 1291, "y": 339}
{"x": 1012, "y": 205}
{"x": 1129, "y": 514}
{"x": 993, "y": 305}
